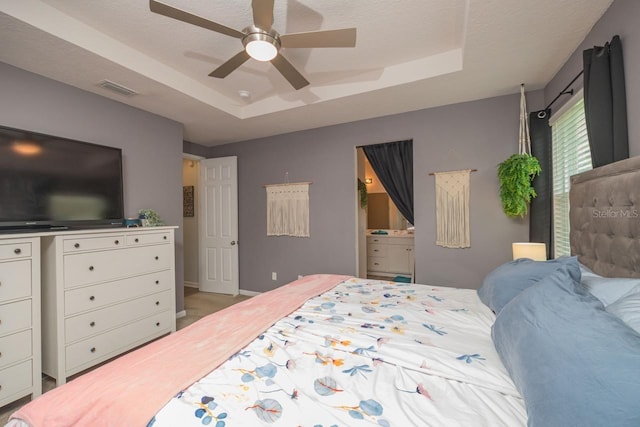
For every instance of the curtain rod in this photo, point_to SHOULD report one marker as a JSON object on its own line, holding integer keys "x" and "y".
{"x": 564, "y": 91}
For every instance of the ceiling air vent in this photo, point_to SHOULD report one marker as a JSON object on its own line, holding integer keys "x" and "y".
{"x": 115, "y": 87}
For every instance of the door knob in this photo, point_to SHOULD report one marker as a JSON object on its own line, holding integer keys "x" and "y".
{"x": 233, "y": 243}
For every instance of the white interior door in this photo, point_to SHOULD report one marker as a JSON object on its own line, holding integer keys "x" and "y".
{"x": 218, "y": 226}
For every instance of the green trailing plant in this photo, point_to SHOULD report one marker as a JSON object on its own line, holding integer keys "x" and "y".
{"x": 515, "y": 175}
{"x": 362, "y": 189}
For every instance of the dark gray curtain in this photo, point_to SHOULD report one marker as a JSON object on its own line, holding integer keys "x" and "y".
{"x": 605, "y": 103}
{"x": 393, "y": 163}
{"x": 541, "y": 207}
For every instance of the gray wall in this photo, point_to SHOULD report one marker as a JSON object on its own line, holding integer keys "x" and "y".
{"x": 151, "y": 145}
{"x": 477, "y": 134}
{"x": 622, "y": 18}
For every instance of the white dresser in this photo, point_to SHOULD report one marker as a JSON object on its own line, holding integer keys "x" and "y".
{"x": 20, "y": 367}
{"x": 389, "y": 255}
{"x": 104, "y": 292}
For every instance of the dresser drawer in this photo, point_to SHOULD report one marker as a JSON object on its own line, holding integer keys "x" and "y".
{"x": 86, "y": 298}
{"x": 100, "y": 347}
{"x": 377, "y": 250}
{"x": 15, "y": 379}
{"x": 15, "y": 316}
{"x": 15, "y": 250}
{"x": 93, "y": 243}
{"x": 376, "y": 263}
{"x": 15, "y": 279}
{"x": 15, "y": 347}
{"x": 95, "y": 322}
{"x": 95, "y": 267}
{"x": 148, "y": 238}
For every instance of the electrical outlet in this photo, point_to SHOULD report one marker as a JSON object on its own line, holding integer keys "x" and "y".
{"x": 274, "y": 276}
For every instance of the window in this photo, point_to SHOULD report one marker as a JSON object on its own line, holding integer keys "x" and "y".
{"x": 570, "y": 155}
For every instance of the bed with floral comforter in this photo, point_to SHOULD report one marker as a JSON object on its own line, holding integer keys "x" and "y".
{"x": 364, "y": 353}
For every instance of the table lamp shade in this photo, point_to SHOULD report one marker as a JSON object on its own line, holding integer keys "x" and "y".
{"x": 534, "y": 251}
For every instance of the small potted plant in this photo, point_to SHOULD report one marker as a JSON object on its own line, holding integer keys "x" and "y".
{"x": 149, "y": 218}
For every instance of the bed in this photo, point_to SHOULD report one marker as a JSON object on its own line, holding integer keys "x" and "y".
{"x": 540, "y": 344}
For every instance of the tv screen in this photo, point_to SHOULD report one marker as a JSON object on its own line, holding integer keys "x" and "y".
{"x": 48, "y": 181}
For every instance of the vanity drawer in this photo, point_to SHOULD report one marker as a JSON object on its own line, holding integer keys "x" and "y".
{"x": 15, "y": 379}
{"x": 92, "y": 297}
{"x": 376, "y": 263}
{"x": 100, "y": 347}
{"x": 148, "y": 238}
{"x": 15, "y": 316}
{"x": 93, "y": 267}
{"x": 15, "y": 279}
{"x": 15, "y": 250}
{"x": 15, "y": 347}
{"x": 93, "y": 243}
{"x": 95, "y": 322}
{"x": 376, "y": 250}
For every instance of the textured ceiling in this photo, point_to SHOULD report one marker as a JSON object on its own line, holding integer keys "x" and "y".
{"x": 409, "y": 55}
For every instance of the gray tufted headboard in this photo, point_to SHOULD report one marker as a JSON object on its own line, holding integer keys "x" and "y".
{"x": 605, "y": 218}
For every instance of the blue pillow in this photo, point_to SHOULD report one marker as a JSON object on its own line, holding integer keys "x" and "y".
{"x": 627, "y": 309}
{"x": 574, "y": 363}
{"x": 508, "y": 280}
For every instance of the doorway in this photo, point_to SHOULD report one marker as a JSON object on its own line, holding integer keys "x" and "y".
{"x": 190, "y": 188}
{"x": 385, "y": 239}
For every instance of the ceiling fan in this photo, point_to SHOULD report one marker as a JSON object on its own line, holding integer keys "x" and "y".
{"x": 262, "y": 42}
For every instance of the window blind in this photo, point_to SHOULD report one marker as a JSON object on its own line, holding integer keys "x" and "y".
{"x": 570, "y": 155}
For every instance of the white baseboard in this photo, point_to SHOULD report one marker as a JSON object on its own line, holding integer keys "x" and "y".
{"x": 192, "y": 285}
{"x": 249, "y": 293}
{"x": 180, "y": 314}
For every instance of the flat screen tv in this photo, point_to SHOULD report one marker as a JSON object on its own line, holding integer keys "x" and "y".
{"x": 52, "y": 182}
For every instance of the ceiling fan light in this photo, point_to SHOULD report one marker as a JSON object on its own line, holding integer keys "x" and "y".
{"x": 261, "y": 50}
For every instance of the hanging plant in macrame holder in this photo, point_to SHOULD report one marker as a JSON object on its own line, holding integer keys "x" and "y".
{"x": 517, "y": 172}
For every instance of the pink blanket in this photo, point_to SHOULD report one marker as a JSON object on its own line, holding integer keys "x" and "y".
{"x": 132, "y": 388}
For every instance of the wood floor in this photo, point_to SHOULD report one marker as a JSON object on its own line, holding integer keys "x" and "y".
{"x": 196, "y": 304}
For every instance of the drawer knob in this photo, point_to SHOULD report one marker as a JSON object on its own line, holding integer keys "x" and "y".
{"x": 157, "y": 281}
{"x": 157, "y": 302}
{"x": 93, "y": 350}
{"x": 164, "y": 237}
{"x": 157, "y": 323}
{"x": 17, "y": 251}
{"x": 136, "y": 240}
{"x": 376, "y": 250}
{"x": 375, "y": 263}
{"x": 92, "y": 324}
{"x": 77, "y": 245}
{"x": 157, "y": 257}
{"x": 91, "y": 268}
{"x": 91, "y": 298}
{"x": 117, "y": 242}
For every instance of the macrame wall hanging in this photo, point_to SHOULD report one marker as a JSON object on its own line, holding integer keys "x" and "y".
{"x": 452, "y": 208}
{"x": 288, "y": 209}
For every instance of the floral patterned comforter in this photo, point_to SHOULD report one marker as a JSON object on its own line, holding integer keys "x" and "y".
{"x": 364, "y": 353}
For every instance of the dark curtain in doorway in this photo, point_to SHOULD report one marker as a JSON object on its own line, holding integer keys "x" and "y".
{"x": 605, "y": 103}
{"x": 541, "y": 208}
{"x": 393, "y": 163}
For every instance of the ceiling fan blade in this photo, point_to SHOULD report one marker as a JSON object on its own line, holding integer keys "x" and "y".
{"x": 289, "y": 72}
{"x": 190, "y": 18}
{"x": 225, "y": 69}
{"x": 262, "y": 13}
{"x": 345, "y": 37}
